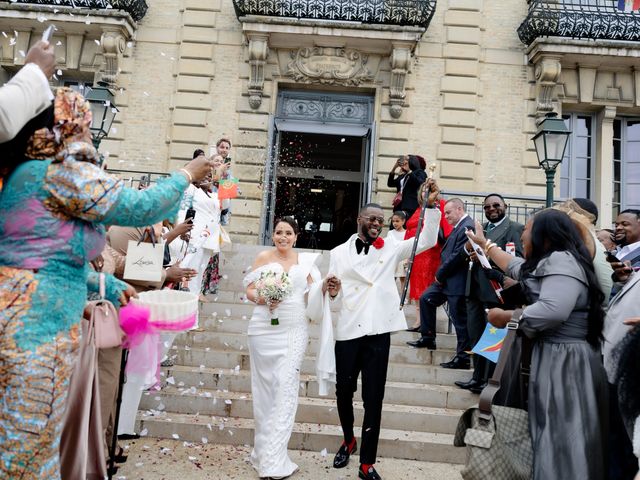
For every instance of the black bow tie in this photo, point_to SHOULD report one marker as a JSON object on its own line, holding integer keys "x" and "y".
{"x": 362, "y": 245}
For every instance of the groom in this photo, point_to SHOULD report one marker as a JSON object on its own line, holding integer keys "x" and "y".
{"x": 365, "y": 304}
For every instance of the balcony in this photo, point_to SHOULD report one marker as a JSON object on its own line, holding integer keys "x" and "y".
{"x": 579, "y": 19}
{"x": 417, "y": 13}
{"x": 136, "y": 8}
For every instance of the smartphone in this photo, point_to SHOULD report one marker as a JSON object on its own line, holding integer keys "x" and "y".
{"x": 46, "y": 35}
{"x": 190, "y": 215}
{"x": 227, "y": 160}
{"x": 611, "y": 258}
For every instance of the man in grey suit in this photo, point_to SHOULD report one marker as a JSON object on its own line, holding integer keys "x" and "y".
{"x": 479, "y": 293}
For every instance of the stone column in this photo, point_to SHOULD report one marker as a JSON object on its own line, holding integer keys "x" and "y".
{"x": 603, "y": 175}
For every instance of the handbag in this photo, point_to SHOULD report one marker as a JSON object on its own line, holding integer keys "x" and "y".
{"x": 104, "y": 318}
{"x": 397, "y": 200}
{"x": 144, "y": 261}
{"x": 497, "y": 438}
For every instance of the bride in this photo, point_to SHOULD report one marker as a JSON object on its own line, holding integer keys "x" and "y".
{"x": 277, "y": 351}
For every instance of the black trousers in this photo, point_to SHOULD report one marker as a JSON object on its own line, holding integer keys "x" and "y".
{"x": 476, "y": 323}
{"x": 430, "y": 300}
{"x": 369, "y": 355}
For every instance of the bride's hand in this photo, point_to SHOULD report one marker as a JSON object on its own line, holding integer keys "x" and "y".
{"x": 273, "y": 305}
{"x": 331, "y": 284}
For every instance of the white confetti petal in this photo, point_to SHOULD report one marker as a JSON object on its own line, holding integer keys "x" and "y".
{"x": 323, "y": 452}
{"x": 175, "y": 435}
{"x": 144, "y": 432}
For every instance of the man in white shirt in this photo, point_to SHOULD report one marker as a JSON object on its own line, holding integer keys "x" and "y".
{"x": 627, "y": 236}
{"x": 28, "y": 93}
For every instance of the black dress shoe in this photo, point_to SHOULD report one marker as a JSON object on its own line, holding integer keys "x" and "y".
{"x": 341, "y": 459}
{"x": 468, "y": 385}
{"x": 370, "y": 474}
{"x": 423, "y": 342}
{"x": 478, "y": 388}
{"x": 414, "y": 329}
{"x": 128, "y": 436}
{"x": 457, "y": 363}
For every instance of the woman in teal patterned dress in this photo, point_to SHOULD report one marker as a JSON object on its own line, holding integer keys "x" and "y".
{"x": 52, "y": 217}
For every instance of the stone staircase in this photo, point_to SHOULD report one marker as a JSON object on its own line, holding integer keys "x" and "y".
{"x": 208, "y": 393}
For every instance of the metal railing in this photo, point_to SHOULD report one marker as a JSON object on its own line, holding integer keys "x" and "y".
{"x": 585, "y": 19}
{"x": 136, "y": 8}
{"x": 387, "y": 12}
{"x": 133, "y": 178}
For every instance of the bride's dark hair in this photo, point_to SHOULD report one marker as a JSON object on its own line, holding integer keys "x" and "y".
{"x": 289, "y": 221}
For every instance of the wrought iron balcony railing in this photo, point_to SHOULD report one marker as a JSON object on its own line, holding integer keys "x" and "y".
{"x": 587, "y": 19}
{"x": 136, "y": 8}
{"x": 389, "y": 12}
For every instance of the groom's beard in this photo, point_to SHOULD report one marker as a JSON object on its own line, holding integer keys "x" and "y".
{"x": 366, "y": 236}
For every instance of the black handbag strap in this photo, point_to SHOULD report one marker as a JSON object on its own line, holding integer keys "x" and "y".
{"x": 486, "y": 397}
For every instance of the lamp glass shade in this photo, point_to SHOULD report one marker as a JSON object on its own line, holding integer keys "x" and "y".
{"x": 551, "y": 142}
{"x": 103, "y": 111}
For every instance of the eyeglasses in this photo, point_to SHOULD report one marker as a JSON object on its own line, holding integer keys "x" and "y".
{"x": 373, "y": 219}
{"x": 493, "y": 205}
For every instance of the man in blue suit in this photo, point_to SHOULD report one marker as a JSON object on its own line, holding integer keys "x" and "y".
{"x": 449, "y": 286}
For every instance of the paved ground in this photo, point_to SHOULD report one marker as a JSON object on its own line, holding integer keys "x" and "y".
{"x": 155, "y": 459}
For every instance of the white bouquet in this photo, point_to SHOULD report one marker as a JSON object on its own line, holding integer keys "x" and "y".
{"x": 273, "y": 287}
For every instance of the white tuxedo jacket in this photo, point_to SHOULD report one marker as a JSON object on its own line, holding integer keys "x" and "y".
{"x": 368, "y": 302}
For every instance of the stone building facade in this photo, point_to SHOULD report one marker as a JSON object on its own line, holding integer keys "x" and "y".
{"x": 325, "y": 102}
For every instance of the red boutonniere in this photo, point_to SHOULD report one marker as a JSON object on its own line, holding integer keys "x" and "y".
{"x": 378, "y": 243}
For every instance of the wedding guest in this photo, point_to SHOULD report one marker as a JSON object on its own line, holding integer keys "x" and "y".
{"x": 223, "y": 146}
{"x": 501, "y": 230}
{"x": 277, "y": 351}
{"x": 396, "y": 235}
{"x": 204, "y": 239}
{"x": 52, "y": 215}
{"x": 425, "y": 265}
{"x": 628, "y": 398}
{"x": 364, "y": 305}
{"x": 449, "y": 286}
{"x": 28, "y": 93}
{"x": 410, "y": 176}
{"x": 623, "y": 306}
{"x": 567, "y": 392}
{"x": 627, "y": 236}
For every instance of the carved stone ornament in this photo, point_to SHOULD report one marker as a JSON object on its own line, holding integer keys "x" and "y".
{"x": 258, "y": 51}
{"x": 113, "y": 45}
{"x": 329, "y": 66}
{"x": 547, "y": 73}
{"x": 400, "y": 62}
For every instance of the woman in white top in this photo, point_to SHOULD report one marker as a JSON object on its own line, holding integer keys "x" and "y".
{"x": 277, "y": 351}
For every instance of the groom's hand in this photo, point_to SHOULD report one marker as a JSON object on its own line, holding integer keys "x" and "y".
{"x": 332, "y": 285}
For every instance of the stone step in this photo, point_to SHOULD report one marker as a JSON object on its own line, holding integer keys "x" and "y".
{"x": 238, "y": 343}
{"x": 230, "y": 334}
{"x": 408, "y": 444}
{"x": 239, "y": 359}
{"x": 188, "y": 400}
{"x": 401, "y": 393}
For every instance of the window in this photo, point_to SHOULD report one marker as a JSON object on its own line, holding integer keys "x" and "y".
{"x": 626, "y": 164}
{"x": 576, "y": 169}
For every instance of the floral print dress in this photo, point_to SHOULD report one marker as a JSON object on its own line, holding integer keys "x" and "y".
{"x": 52, "y": 217}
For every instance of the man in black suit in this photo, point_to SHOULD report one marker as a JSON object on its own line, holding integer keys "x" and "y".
{"x": 480, "y": 294}
{"x": 449, "y": 286}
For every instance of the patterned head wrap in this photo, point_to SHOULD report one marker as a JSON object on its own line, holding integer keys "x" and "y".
{"x": 70, "y": 133}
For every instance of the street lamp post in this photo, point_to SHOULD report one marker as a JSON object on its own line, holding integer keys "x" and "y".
{"x": 103, "y": 111}
{"x": 550, "y": 142}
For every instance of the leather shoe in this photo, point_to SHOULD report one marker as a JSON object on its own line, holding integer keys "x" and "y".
{"x": 341, "y": 459}
{"x": 468, "y": 385}
{"x": 414, "y": 329}
{"x": 370, "y": 474}
{"x": 457, "y": 363}
{"x": 423, "y": 342}
{"x": 478, "y": 388}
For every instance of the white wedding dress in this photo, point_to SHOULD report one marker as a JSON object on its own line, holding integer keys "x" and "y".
{"x": 276, "y": 354}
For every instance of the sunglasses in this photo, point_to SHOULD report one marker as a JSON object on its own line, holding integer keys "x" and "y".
{"x": 493, "y": 205}
{"x": 373, "y": 218}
